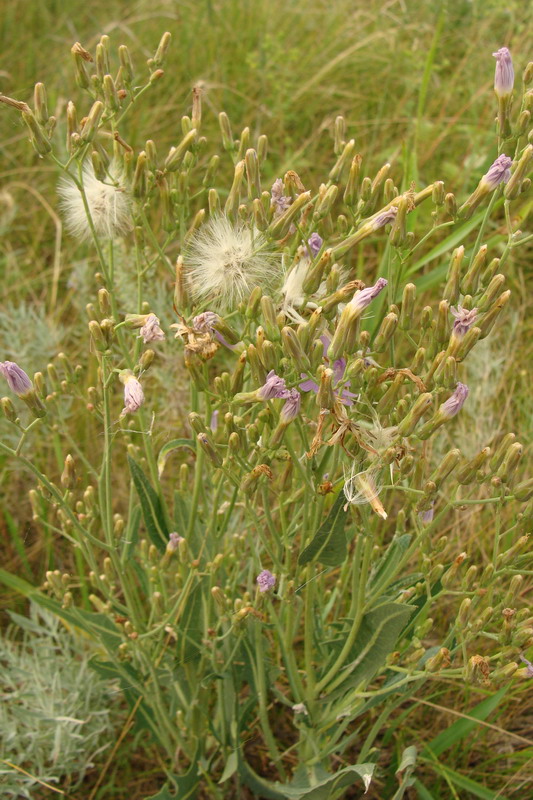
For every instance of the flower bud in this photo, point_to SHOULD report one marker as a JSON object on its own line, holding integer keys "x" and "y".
{"x": 446, "y": 466}
{"x": 501, "y": 451}
{"x": 510, "y": 461}
{"x": 408, "y": 304}
{"x": 409, "y": 423}
{"x": 524, "y": 491}
{"x": 385, "y": 333}
{"x": 470, "y": 281}
{"x": 161, "y": 51}
{"x": 88, "y": 132}
{"x": 176, "y": 154}
{"x": 352, "y": 184}
{"x": 280, "y": 226}
{"x": 344, "y": 159}
{"x": 512, "y": 188}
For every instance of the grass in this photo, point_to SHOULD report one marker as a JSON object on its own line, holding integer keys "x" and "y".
{"x": 413, "y": 81}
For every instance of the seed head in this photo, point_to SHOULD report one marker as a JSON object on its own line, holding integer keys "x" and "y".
{"x": 109, "y": 204}
{"x": 225, "y": 261}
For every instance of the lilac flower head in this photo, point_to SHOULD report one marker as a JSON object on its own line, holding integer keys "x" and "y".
{"x": 151, "y": 330}
{"x": 314, "y": 244}
{"x": 173, "y": 542}
{"x": 364, "y": 297}
{"x": 265, "y": 580}
{"x": 504, "y": 75}
{"x": 529, "y": 670}
{"x": 498, "y": 172}
{"x": 389, "y": 215}
{"x": 464, "y": 319}
{"x": 17, "y": 380}
{"x": 291, "y": 407}
{"x": 133, "y": 392}
{"x": 274, "y": 387}
{"x": 454, "y": 404}
{"x": 309, "y": 385}
{"x": 214, "y": 420}
{"x": 279, "y": 200}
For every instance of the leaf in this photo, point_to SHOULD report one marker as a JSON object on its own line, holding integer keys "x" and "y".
{"x": 473, "y": 787}
{"x": 259, "y": 786}
{"x": 329, "y": 786}
{"x": 190, "y": 627}
{"x": 407, "y": 765}
{"x": 462, "y": 727}
{"x": 388, "y": 563}
{"x": 97, "y": 626}
{"x": 154, "y": 519}
{"x": 329, "y": 543}
{"x": 186, "y": 785}
{"x": 377, "y": 637}
{"x": 168, "y": 448}
{"x": 423, "y": 792}
{"x": 231, "y": 767}
{"x": 181, "y": 513}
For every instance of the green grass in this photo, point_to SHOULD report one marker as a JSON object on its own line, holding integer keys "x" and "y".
{"x": 413, "y": 80}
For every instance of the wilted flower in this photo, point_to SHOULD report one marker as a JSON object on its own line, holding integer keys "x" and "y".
{"x": 498, "y": 172}
{"x": 279, "y": 200}
{"x": 426, "y": 516}
{"x": 173, "y": 542}
{"x": 225, "y": 261}
{"x": 344, "y": 332}
{"x": 464, "y": 319}
{"x": 504, "y": 75}
{"x": 109, "y": 204}
{"x": 151, "y": 330}
{"x": 300, "y": 708}
{"x": 205, "y": 321}
{"x": 314, "y": 244}
{"x": 384, "y": 218}
{"x": 454, "y": 404}
{"x": 17, "y": 380}
{"x": 133, "y": 392}
{"x": 265, "y": 580}
{"x": 529, "y": 667}
{"x": 291, "y": 407}
{"x": 274, "y": 387}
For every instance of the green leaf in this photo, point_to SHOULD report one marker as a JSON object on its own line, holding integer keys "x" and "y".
{"x": 97, "y": 626}
{"x": 190, "y": 627}
{"x": 168, "y": 448}
{"x": 388, "y": 564}
{"x": 469, "y": 785}
{"x": 462, "y": 727}
{"x": 329, "y": 786}
{"x": 259, "y": 786}
{"x": 329, "y": 543}
{"x": 154, "y": 519}
{"x": 186, "y": 785}
{"x": 404, "y": 771}
{"x": 377, "y": 637}
{"x": 181, "y": 512}
{"x": 231, "y": 767}
{"x": 423, "y": 793}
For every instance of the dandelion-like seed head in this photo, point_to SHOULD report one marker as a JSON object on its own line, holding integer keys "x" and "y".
{"x": 225, "y": 261}
{"x": 109, "y": 204}
{"x": 362, "y": 487}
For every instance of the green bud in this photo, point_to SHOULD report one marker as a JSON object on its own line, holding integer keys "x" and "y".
{"x": 451, "y": 290}
{"x": 316, "y": 271}
{"x": 419, "y": 408}
{"x": 467, "y": 343}
{"x": 280, "y": 226}
{"x": 252, "y": 174}
{"x": 446, "y": 466}
{"x": 176, "y": 154}
{"x": 225, "y": 129}
{"x": 408, "y": 304}
{"x": 89, "y": 130}
{"x": 491, "y": 292}
{"x": 37, "y": 137}
{"x": 8, "y": 409}
{"x": 350, "y": 193}
{"x": 398, "y": 228}
{"x": 340, "y": 134}
{"x": 342, "y": 162}
{"x": 464, "y": 612}
{"x": 512, "y": 187}
{"x": 524, "y": 491}
{"x": 233, "y": 200}
{"x": 385, "y": 333}
{"x": 326, "y": 203}
{"x": 244, "y": 143}
{"x": 325, "y": 396}
{"x": 262, "y": 148}
{"x": 470, "y": 281}
{"x": 487, "y": 322}
{"x": 293, "y": 349}
{"x": 209, "y": 449}
{"x": 450, "y": 204}
{"x": 510, "y": 461}
{"x": 442, "y": 330}
{"x": 501, "y": 451}
{"x": 162, "y": 50}
{"x": 468, "y": 471}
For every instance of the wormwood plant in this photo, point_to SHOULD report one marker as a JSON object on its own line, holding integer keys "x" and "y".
{"x": 268, "y": 592}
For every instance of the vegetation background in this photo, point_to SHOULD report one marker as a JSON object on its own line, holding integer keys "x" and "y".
{"x": 413, "y": 79}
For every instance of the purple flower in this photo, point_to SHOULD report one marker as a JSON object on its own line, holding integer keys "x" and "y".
{"x": 151, "y": 330}
{"x": 291, "y": 407}
{"x": 309, "y": 385}
{"x": 17, "y": 380}
{"x": 173, "y": 542}
{"x": 364, "y": 297}
{"x": 205, "y": 323}
{"x": 498, "y": 172}
{"x": 504, "y": 75}
{"x": 279, "y": 200}
{"x": 454, "y": 404}
{"x": 529, "y": 670}
{"x": 383, "y": 218}
{"x": 426, "y": 516}
{"x": 314, "y": 244}
{"x": 273, "y": 388}
{"x": 265, "y": 580}
{"x": 214, "y": 420}
{"x": 464, "y": 319}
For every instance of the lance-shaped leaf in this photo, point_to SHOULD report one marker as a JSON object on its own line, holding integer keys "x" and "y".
{"x": 168, "y": 448}
{"x": 328, "y": 786}
{"x": 152, "y": 511}
{"x": 329, "y": 542}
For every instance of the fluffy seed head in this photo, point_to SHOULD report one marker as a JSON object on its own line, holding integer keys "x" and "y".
{"x": 109, "y": 204}
{"x": 225, "y": 261}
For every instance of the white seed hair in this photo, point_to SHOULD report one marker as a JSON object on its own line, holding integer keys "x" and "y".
{"x": 353, "y": 490}
{"x": 109, "y": 204}
{"x": 225, "y": 261}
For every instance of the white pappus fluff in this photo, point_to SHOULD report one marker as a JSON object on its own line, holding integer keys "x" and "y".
{"x": 226, "y": 261}
{"x": 109, "y": 204}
